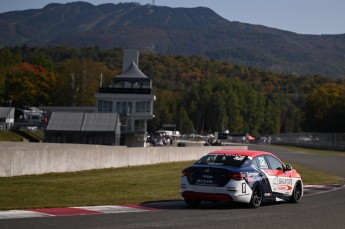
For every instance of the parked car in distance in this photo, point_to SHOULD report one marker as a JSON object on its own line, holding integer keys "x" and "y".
{"x": 158, "y": 142}
{"x": 246, "y": 176}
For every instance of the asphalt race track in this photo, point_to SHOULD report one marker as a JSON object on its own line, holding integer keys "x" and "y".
{"x": 325, "y": 210}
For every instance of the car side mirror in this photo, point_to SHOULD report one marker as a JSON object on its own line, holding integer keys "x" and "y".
{"x": 288, "y": 168}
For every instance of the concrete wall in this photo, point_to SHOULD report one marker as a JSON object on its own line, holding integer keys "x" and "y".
{"x": 37, "y": 158}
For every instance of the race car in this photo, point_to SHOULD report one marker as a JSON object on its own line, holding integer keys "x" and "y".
{"x": 246, "y": 176}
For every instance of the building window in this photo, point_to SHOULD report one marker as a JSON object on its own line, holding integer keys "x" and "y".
{"x": 143, "y": 107}
{"x": 105, "y": 106}
{"x": 146, "y": 85}
{"x": 124, "y": 107}
{"x": 139, "y": 125}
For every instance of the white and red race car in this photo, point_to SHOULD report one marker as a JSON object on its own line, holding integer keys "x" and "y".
{"x": 246, "y": 176}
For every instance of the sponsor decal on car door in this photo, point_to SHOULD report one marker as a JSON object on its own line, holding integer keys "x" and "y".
{"x": 280, "y": 180}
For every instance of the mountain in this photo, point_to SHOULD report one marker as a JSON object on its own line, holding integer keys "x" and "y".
{"x": 175, "y": 31}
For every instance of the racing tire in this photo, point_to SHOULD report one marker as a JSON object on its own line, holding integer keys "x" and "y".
{"x": 192, "y": 202}
{"x": 256, "y": 199}
{"x": 297, "y": 193}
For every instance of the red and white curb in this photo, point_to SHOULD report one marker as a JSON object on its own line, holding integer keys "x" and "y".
{"x": 87, "y": 210}
{"x": 316, "y": 189}
{"x": 111, "y": 209}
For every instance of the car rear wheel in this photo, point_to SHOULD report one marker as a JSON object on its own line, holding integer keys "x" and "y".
{"x": 297, "y": 193}
{"x": 192, "y": 202}
{"x": 256, "y": 199}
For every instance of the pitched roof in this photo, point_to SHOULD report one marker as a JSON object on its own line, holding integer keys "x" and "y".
{"x": 69, "y": 121}
{"x": 80, "y": 121}
{"x": 132, "y": 72}
{"x": 100, "y": 122}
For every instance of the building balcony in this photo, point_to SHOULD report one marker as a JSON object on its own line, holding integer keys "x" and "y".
{"x": 112, "y": 90}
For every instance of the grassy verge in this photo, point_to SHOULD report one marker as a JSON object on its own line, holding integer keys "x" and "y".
{"x": 313, "y": 151}
{"x": 108, "y": 186}
{"x": 10, "y": 136}
{"x": 312, "y": 176}
{"x": 18, "y": 136}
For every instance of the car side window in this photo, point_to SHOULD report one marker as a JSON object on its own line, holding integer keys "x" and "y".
{"x": 255, "y": 163}
{"x": 275, "y": 164}
{"x": 260, "y": 162}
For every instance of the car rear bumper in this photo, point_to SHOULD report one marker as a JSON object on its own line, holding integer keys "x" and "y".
{"x": 237, "y": 191}
{"x": 207, "y": 196}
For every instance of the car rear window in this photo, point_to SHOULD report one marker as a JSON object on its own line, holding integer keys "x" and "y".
{"x": 224, "y": 159}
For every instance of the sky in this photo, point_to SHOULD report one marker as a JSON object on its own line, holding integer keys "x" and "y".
{"x": 299, "y": 16}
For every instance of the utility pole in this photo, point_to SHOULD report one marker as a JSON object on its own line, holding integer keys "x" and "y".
{"x": 9, "y": 113}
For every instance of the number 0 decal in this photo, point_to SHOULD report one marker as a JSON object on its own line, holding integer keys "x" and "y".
{"x": 243, "y": 187}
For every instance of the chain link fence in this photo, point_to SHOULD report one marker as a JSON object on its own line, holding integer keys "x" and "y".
{"x": 330, "y": 141}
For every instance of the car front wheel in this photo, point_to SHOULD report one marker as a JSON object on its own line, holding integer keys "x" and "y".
{"x": 297, "y": 193}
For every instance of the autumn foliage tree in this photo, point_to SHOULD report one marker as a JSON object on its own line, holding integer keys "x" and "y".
{"x": 29, "y": 85}
{"x": 195, "y": 93}
{"x": 324, "y": 109}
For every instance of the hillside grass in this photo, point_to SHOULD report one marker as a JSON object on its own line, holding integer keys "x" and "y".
{"x": 10, "y": 136}
{"x": 312, "y": 151}
{"x": 18, "y": 136}
{"x": 110, "y": 186}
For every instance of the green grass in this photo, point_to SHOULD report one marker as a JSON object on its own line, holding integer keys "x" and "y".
{"x": 39, "y": 134}
{"x": 312, "y": 176}
{"x": 109, "y": 186}
{"x": 313, "y": 151}
{"x": 10, "y": 136}
{"x": 18, "y": 136}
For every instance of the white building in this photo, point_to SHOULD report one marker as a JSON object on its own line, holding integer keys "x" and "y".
{"x": 130, "y": 95}
{"x": 6, "y": 117}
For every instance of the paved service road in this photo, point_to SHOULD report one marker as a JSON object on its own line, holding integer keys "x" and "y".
{"x": 326, "y": 210}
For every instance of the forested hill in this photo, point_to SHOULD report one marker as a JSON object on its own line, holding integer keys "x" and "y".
{"x": 175, "y": 31}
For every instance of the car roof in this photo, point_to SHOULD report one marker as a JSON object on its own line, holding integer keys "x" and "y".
{"x": 249, "y": 153}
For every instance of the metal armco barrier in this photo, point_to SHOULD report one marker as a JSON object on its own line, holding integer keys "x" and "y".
{"x": 329, "y": 141}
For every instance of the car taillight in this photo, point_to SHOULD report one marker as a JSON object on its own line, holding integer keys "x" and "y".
{"x": 235, "y": 176}
{"x": 186, "y": 172}
{"x": 238, "y": 176}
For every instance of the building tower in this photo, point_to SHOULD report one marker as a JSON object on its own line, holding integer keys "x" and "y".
{"x": 130, "y": 95}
